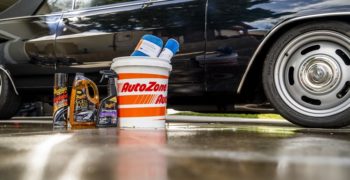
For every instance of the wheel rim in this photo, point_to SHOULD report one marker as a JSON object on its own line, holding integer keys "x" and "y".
{"x": 312, "y": 73}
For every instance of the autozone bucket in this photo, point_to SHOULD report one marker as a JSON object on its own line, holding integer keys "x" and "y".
{"x": 142, "y": 87}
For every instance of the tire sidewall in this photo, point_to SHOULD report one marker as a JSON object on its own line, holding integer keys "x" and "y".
{"x": 3, "y": 90}
{"x": 337, "y": 120}
{"x": 9, "y": 100}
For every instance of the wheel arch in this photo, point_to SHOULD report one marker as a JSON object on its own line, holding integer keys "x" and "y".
{"x": 10, "y": 78}
{"x": 255, "y": 66}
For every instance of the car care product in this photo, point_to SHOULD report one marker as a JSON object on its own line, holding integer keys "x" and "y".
{"x": 107, "y": 113}
{"x": 60, "y": 100}
{"x": 142, "y": 91}
{"x": 149, "y": 45}
{"x": 170, "y": 49}
{"x": 83, "y": 102}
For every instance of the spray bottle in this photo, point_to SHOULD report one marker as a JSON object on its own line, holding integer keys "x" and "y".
{"x": 107, "y": 113}
{"x": 149, "y": 45}
{"x": 170, "y": 49}
{"x": 60, "y": 101}
{"x": 83, "y": 106}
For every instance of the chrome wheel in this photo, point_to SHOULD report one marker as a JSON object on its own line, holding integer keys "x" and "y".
{"x": 312, "y": 73}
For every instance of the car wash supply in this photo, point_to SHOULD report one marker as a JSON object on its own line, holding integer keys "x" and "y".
{"x": 83, "y": 102}
{"x": 149, "y": 45}
{"x": 142, "y": 89}
{"x": 60, "y": 100}
{"x": 170, "y": 49}
{"x": 107, "y": 113}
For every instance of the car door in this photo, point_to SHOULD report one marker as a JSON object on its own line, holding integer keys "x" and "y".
{"x": 27, "y": 42}
{"x": 96, "y": 32}
{"x": 183, "y": 20}
{"x": 233, "y": 33}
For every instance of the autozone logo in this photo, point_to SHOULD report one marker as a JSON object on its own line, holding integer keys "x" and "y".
{"x": 144, "y": 87}
{"x": 161, "y": 100}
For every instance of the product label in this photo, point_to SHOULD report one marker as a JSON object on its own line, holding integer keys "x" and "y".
{"x": 60, "y": 117}
{"x": 84, "y": 109}
{"x": 161, "y": 99}
{"x": 166, "y": 54}
{"x": 152, "y": 86}
{"x": 60, "y": 98}
{"x": 108, "y": 114}
{"x": 149, "y": 48}
{"x": 85, "y": 116}
{"x": 108, "y": 117}
{"x": 142, "y": 91}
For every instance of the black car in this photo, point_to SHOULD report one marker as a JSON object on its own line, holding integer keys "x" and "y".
{"x": 293, "y": 53}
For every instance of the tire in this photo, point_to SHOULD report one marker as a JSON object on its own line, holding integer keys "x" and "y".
{"x": 306, "y": 75}
{"x": 9, "y": 101}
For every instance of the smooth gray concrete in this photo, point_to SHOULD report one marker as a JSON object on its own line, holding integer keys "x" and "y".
{"x": 235, "y": 150}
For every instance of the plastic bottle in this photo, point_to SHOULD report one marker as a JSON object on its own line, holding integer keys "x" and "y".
{"x": 107, "y": 113}
{"x": 170, "y": 49}
{"x": 149, "y": 45}
{"x": 60, "y": 101}
{"x": 83, "y": 107}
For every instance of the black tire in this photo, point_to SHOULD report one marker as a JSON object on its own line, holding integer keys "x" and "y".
{"x": 9, "y": 101}
{"x": 305, "y": 74}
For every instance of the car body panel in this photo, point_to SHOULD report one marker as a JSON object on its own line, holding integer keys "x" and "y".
{"x": 236, "y": 30}
{"x": 292, "y": 12}
{"x": 27, "y": 46}
{"x": 21, "y": 8}
{"x": 91, "y": 38}
{"x": 280, "y": 27}
{"x": 219, "y": 39}
{"x": 86, "y": 39}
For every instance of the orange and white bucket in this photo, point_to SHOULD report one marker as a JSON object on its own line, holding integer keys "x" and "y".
{"x": 142, "y": 91}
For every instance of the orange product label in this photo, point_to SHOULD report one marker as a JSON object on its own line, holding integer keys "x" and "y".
{"x": 63, "y": 97}
{"x": 142, "y": 112}
{"x": 142, "y": 99}
{"x": 138, "y": 45}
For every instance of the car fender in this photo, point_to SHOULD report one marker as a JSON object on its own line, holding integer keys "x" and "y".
{"x": 9, "y": 76}
{"x": 279, "y": 27}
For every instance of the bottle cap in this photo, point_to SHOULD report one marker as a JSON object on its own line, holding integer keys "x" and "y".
{"x": 172, "y": 45}
{"x": 154, "y": 39}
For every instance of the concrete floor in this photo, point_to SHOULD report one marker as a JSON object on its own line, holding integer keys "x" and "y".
{"x": 252, "y": 149}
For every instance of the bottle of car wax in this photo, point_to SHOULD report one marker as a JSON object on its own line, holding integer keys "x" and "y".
{"x": 149, "y": 45}
{"x": 60, "y": 101}
{"x": 107, "y": 113}
{"x": 170, "y": 49}
{"x": 83, "y": 103}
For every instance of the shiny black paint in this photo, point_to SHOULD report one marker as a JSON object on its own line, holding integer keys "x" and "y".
{"x": 88, "y": 40}
{"x": 230, "y": 43}
{"x": 217, "y": 40}
{"x": 91, "y": 38}
{"x": 27, "y": 48}
{"x": 183, "y": 20}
